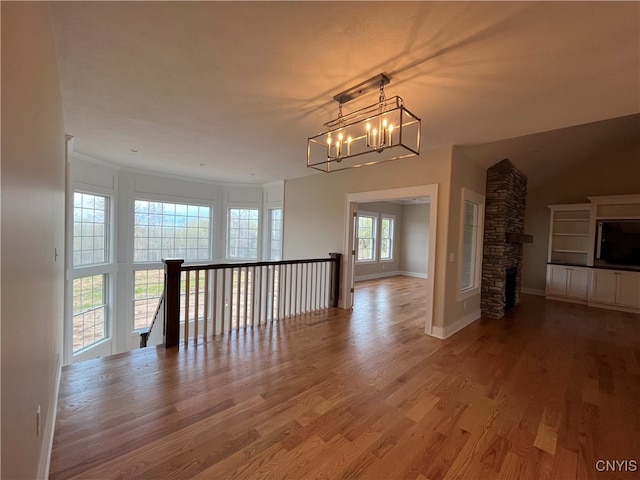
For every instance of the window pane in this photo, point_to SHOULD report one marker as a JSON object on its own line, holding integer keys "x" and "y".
{"x": 242, "y": 235}
{"x": 89, "y": 229}
{"x": 366, "y": 238}
{"x": 89, "y": 311}
{"x": 386, "y": 238}
{"x": 148, "y": 287}
{"x": 163, "y": 230}
{"x": 469, "y": 244}
{"x": 275, "y": 234}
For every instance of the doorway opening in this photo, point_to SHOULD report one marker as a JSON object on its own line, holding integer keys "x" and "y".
{"x": 370, "y": 250}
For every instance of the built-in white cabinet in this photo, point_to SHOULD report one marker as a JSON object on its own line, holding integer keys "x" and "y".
{"x": 571, "y": 234}
{"x": 575, "y": 271}
{"x": 615, "y": 288}
{"x": 603, "y": 286}
{"x": 567, "y": 282}
{"x": 597, "y": 287}
{"x": 628, "y": 289}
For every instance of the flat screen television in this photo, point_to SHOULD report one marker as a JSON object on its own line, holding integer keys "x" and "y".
{"x": 618, "y": 242}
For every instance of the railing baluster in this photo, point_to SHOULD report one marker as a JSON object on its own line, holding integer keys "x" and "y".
{"x": 306, "y": 286}
{"x": 327, "y": 270}
{"x": 246, "y": 297}
{"x": 196, "y": 310}
{"x": 283, "y": 291}
{"x": 290, "y": 287}
{"x": 296, "y": 310}
{"x": 186, "y": 307}
{"x": 322, "y": 277}
{"x": 260, "y": 270}
{"x": 253, "y": 295}
{"x": 216, "y": 304}
{"x": 320, "y": 291}
{"x": 324, "y": 285}
{"x": 312, "y": 287}
{"x": 318, "y": 286}
{"x": 273, "y": 291}
{"x": 236, "y": 282}
{"x": 207, "y": 293}
{"x": 223, "y": 299}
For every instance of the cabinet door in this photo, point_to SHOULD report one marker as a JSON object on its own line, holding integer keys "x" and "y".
{"x": 557, "y": 280}
{"x": 577, "y": 282}
{"x": 603, "y": 286}
{"x": 628, "y": 289}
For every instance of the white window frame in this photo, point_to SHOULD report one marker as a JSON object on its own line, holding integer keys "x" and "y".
{"x": 478, "y": 201}
{"x": 228, "y": 232}
{"x": 374, "y": 247}
{"x": 107, "y": 227}
{"x": 107, "y": 268}
{"x": 181, "y": 201}
{"x": 391, "y": 217}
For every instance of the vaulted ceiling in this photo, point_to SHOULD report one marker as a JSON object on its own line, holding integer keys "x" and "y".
{"x": 230, "y": 91}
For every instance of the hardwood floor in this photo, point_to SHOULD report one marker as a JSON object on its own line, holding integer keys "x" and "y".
{"x": 545, "y": 392}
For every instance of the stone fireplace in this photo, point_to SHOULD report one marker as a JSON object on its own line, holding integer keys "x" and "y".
{"x": 503, "y": 238}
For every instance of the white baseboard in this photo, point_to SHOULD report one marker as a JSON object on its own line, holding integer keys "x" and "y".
{"x": 414, "y": 274}
{"x": 373, "y": 276}
{"x": 50, "y": 426}
{"x": 533, "y": 291}
{"x": 458, "y": 325}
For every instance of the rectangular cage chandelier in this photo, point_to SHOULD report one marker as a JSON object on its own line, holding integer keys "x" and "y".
{"x": 377, "y": 133}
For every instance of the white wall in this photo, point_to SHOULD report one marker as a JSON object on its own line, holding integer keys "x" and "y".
{"x": 414, "y": 258}
{"x": 33, "y": 181}
{"x": 315, "y": 208}
{"x": 464, "y": 174}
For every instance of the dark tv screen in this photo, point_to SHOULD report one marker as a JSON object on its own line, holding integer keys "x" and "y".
{"x": 620, "y": 244}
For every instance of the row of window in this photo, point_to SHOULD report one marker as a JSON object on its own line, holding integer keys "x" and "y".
{"x": 161, "y": 230}
{"x": 369, "y": 237}
{"x": 164, "y": 230}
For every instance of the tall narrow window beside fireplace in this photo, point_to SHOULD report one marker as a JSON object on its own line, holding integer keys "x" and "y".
{"x": 470, "y": 245}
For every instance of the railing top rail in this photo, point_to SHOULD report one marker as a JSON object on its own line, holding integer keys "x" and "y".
{"x": 218, "y": 266}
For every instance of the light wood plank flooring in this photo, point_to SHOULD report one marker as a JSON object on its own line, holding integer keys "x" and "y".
{"x": 545, "y": 392}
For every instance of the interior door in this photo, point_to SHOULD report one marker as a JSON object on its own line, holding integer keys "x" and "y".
{"x": 352, "y": 253}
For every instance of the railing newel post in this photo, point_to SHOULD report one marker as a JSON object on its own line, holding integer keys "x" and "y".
{"x": 172, "y": 273}
{"x": 335, "y": 278}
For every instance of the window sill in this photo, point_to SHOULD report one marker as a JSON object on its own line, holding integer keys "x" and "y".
{"x": 471, "y": 292}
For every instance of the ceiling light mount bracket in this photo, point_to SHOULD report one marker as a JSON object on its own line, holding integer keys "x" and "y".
{"x": 374, "y": 83}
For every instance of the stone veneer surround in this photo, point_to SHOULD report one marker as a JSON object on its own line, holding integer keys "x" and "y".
{"x": 504, "y": 214}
